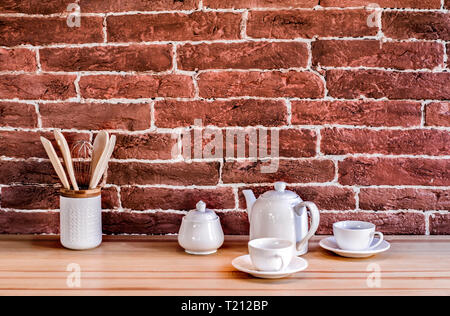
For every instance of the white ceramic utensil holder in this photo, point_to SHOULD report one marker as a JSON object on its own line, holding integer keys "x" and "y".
{"x": 81, "y": 219}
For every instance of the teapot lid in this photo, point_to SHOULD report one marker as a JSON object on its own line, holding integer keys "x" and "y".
{"x": 201, "y": 214}
{"x": 280, "y": 192}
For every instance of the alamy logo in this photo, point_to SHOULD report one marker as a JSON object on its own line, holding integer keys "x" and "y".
{"x": 373, "y": 20}
{"x": 374, "y": 278}
{"x": 74, "y": 17}
{"x": 74, "y": 278}
{"x": 211, "y": 143}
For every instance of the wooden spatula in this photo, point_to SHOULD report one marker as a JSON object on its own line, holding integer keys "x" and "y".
{"x": 103, "y": 163}
{"x": 54, "y": 159}
{"x": 65, "y": 151}
{"x": 100, "y": 145}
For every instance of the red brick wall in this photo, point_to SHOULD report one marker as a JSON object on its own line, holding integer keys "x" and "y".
{"x": 362, "y": 110}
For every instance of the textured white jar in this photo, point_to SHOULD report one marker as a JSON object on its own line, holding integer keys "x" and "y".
{"x": 81, "y": 219}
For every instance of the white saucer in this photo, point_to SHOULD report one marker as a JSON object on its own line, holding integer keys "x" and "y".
{"x": 244, "y": 264}
{"x": 331, "y": 245}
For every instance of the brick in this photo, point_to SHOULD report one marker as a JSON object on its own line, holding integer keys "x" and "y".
{"x": 290, "y": 171}
{"x": 136, "y": 173}
{"x": 135, "y": 87}
{"x": 421, "y": 25}
{"x": 197, "y": 26}
{"x": 144, "y": 146}
{"x": 101, "y": 6}
{"x": 295, "y": 143}
{"x": 96, "y": 116}
{"x": 171, "y": 114}
{"x": 41, "y": 197}
{"x": 159, "y": 223}
{"x": 256, "y": 142}
{"x": 401, "y": 223}
{"x": 234, "y": 223}
{"x": 18, "y": 115}
{"x": 366, "y": 113}
{"x": 17, "y": 59}
{"x": 394, "y": 171}
{"x": 388, "y": 84}
{"x": 409, "y": 198}
{"x": 108, "y": 58}
{"x": 27, "y": 172}
{"x": 51, "y": 30}
{"x": 440, "y": 224}
{"x": 110, "y": 198}
{"x": 252, "y": 4}
{"x": 175, "y": 199}
{"x": 19, "y": 144}
{"x": 437, "y": 114}
{"x": 308, "y": 24}
{"x": 29, "y": 223}
{"x": 34, "y": 6}
{"x": 414, "y": 4}
{"x": 260, "y": 84}
{"x": 372, "y": 53}
{"x": 325, "y": 197}
{"x": 37, "y": 87}
{"x": 340, "y": 141}
{"x": 250, "y": 55}
{"x": 30, "y": 197}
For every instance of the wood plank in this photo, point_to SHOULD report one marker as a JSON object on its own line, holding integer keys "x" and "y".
{"x": 141, "y": 265}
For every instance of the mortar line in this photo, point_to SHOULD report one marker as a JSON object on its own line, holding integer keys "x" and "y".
{"x": 159, "y": 130}
{"x": 223, "y": 10}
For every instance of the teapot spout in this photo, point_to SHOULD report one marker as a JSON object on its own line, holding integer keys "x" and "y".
{"x": 250, "y": 200}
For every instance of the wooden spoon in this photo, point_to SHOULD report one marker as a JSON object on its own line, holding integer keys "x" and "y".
{"x": 100, "y": 145}
{"x": 65, "y": 151}
{"x": 54, "y": 159}
{"x": 103, "y": 163}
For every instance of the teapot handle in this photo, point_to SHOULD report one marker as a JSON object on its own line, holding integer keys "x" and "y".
{"x": 315, "y": 220}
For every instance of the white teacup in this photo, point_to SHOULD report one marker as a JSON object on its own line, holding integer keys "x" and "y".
{"x": 271, "y": 254}
{"x": 356, "y": 235}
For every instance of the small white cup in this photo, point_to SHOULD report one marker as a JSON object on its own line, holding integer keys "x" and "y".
{"x": 271, "y": 254}
{"x": 356, "y": 235}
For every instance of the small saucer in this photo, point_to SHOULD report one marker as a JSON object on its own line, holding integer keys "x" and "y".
{"x": 244, "y": 264}
{"x": 331, "y": 245}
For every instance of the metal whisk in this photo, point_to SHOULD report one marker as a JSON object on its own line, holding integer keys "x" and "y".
{"x": 81, "y": 155}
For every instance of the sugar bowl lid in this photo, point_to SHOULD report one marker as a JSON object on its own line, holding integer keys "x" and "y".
{"x": 280, "y": 193}
{"x": 201, "y": 214}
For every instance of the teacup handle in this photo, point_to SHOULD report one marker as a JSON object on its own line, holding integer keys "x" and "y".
{"x": 284, "y": 265}
{"x": 315, "y": 220}
{"x": 381, "y": 238}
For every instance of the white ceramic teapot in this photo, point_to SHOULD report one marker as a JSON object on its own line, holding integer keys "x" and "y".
{"x": 282, "y": 214}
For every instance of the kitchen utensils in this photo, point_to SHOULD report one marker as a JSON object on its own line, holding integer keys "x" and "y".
{"x": 81, "y": 155}
{"x": 281, "y": 214}
{"x": 80, "y": 171}
{"x": 330, "y": 244}
{"x": 201, "y": 232}
{"x": 102, "y": 163}
{"x": 356, "y": 235}
{"x": 55, "y": 162}
{"x": 100, "y": 145}
{"x": 64, "y": 147}
{"x": 81, "y": 210}
{"x": 271, "y": 254}
{"x": 244, "y": 264}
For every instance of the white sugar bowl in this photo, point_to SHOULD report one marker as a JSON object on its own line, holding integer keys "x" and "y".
{"x": 201, "y": 232}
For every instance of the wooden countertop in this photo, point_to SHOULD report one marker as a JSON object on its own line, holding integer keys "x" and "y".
{"x": 125, "y": 265}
